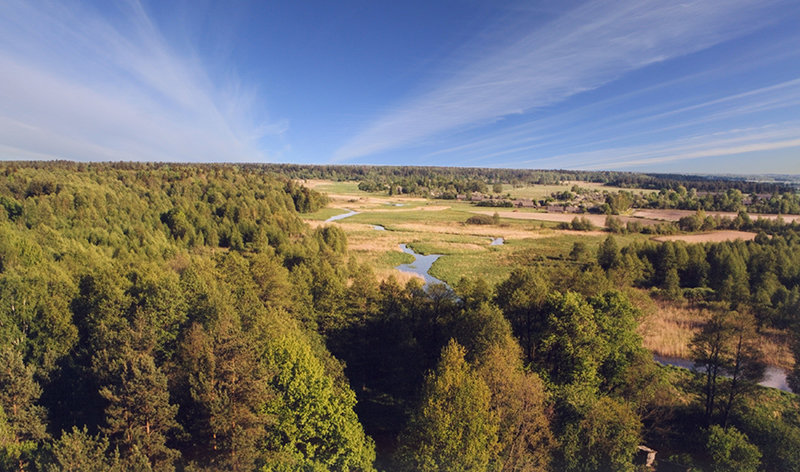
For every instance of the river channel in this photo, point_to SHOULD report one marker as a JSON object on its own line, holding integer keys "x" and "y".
{"x": 421, "y": 265}
{"x": 773, "y": 376}
{"x": 342, "y": 216}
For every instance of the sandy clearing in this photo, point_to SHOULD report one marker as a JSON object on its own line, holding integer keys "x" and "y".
{"x": 712, "y": 237}
{"x": 675, "y": 215}
{"x": 380, "y": 204}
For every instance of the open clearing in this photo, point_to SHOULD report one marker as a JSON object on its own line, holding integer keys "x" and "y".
{"x": 538, "y": 192}
{"x": 597, "y": 220}
{"x": 667, "y": 330}
{"x": 431, "y": 227}
{"x": 675, "y": 215}
{"x": 712, "y": 237}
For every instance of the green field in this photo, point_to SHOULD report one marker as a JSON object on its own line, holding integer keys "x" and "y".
{"x": 438, "y": 227}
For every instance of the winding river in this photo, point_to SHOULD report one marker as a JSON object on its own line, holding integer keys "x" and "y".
{"x": 342, "y": 216}
{"x": 773, "y": 376}
{"x": 421, "y": 265}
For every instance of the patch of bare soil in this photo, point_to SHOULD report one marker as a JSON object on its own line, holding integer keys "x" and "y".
{"x": 675, "y": 215}
{"x": 712, "y": 237}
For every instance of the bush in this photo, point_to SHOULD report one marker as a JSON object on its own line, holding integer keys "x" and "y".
{"x": 730, "y": 450}
{"x": 581, "y": 224}
{"x": 479, "y": 220}
{"x": 495, "y": 203}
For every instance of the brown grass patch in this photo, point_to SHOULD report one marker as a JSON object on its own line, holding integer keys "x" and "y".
{"x": 712, "y": 237}
{"x": 668, "y": 330}
{"x": 776, "y": 348}
{"x": 401, "y": 277}
{"x": 487, "y": 231}
{"x": 675, "y": 215}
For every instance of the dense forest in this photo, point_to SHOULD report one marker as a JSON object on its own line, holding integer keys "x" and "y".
{"x": 184, "y": 317}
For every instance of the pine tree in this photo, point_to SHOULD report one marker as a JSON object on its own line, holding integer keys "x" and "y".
{"x": 229, "y": 390}
{"x": 22, "y": 421}
{"x": 78, "y": 451}
{"x": 710, "y": 353}
{"x": 139, "y": 415}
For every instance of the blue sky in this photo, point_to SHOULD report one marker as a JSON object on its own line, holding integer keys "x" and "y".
{"x": 698, "y": 86}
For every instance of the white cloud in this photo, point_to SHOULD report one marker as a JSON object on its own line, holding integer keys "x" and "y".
{"x": 82, "y": 84}
{"x": 731, "y": 142}
{"x": 586, "y": 48}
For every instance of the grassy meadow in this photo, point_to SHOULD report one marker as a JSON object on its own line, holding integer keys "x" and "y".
{"x": 530, "y": 237}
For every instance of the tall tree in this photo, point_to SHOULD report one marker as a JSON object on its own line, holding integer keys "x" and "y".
{"x": 746, "y": 367}
{"x": 453, "y": 428}
{"x": 710, "y": 351}
{"x": 519, "y": 401}
{"x": 522, "y": 297}
{"x": 605, "y": 438}
{"x": 608, "y": 254}
{"x": 139, "y": 415}
{"x": 22, "y": 421}
{"x": 78, "y": 451}
{"x": 315, "y": 426}
{"x": 229, "y": 390}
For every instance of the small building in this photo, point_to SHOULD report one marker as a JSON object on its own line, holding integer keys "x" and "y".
{"x": 645, "y": 456}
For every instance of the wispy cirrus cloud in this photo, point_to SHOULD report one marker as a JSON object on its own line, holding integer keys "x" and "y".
{"x": 83, "y": 83}
{"x": 584, "y": 49}
{"x": 732, "y": 142}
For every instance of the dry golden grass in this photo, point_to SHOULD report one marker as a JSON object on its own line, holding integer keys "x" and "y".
{"x": 668, "y": 330}
{"x": 489, "y": 231}
{"x": 712, "y": 237}
{"x": 364, "y": 204}
{"x": 776, "y": 348}
{"x": 401, "y": 277}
